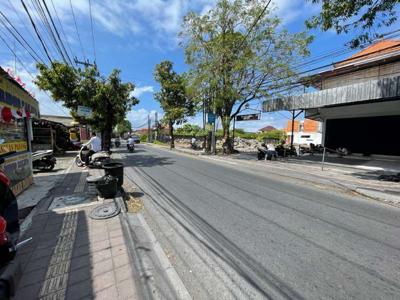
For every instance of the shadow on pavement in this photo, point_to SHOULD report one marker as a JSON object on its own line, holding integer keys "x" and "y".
{"x": 56, "y": 263}
{"x": 146, "y": 160}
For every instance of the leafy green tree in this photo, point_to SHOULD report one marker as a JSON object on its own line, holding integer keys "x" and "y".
{"x": 238, "y": 53}
{"x": 360, "y": 16}
{"x": 172, "y": 97}
{"x": 123, "y": 127}
{"x": 190, "y": 130}
{"x": 109, "y": 97}
{"x": 276, "y": 134}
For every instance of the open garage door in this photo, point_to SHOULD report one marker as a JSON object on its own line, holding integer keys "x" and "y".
{"x": 369, "y": 135}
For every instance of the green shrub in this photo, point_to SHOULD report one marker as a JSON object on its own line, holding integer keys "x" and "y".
{"x": 143, "y": 138}
{"x": 278, "y": 135}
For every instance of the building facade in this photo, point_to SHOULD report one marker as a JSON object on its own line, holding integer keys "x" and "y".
{"x": 357, "y": 101}
{"x": 17, "y": 108}
{"x": 305, "y": 132}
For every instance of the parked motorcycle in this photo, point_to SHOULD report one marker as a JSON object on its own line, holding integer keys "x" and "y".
{"x": 131, "y": 147}
{"x": 97, "y": 160}
{"x": 43, "y": 160}
{"x": 9, "y": 230}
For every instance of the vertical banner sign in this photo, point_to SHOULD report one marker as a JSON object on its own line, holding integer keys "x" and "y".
{"x": 210, "y": 118}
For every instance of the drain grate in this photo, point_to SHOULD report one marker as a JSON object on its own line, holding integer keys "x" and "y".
{"x": 105, "y": 211}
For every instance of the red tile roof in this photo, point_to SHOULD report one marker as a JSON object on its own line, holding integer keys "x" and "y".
{"x": 267, "y": 128}
{"x": 375, "y": 50}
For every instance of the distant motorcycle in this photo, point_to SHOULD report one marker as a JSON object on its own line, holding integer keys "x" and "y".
{"x": 131, "y": 147}
{"x": 117, "y": 143}
{"x": 97, "y": 160}
{"x": 44, "y": 160}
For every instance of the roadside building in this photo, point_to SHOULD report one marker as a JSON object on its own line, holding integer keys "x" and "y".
{"x": 78, "y": 132}
{"x": 17, "y": 107}
{"x": 267, "y": 129}
{"x": 357, "y": 101}
{"x": 305, "y": 132}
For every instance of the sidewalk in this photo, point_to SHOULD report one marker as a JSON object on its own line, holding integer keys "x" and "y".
{"x": 357, "y": 177}
{"x": 71, "y": 255}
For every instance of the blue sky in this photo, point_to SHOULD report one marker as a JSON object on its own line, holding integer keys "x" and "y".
{"x": 136, "y": 35}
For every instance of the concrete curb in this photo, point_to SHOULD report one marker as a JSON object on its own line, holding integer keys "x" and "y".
{"x": 180, "y": 289}
{"x": 149, "y": 257}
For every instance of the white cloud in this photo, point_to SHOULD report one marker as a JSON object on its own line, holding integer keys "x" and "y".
{"x": 289, "y": 10}
{"x": 46, "y": 104}
{"x": 140, "y": 90}
{"x": 138, "y": 118}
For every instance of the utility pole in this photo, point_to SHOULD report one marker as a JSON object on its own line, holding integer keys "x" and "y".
{"x": 148, "y": 129}
{"x": 213, "y": 139}
{"x": 156, "y": 125}
{"x": 85, "y": 63}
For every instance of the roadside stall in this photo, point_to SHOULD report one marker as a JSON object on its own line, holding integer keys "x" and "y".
{"x": 17, "y": 107}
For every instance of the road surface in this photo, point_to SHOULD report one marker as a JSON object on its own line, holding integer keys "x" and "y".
{"x": 236, "y": 233}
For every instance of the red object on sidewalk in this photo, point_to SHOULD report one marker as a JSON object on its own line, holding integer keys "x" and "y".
{"x": 6, "y": 114}
{"x": 3, "y": 232}
{"x": 4, "y": 179}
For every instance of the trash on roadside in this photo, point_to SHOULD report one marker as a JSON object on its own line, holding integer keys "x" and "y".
{"x": 392, "y": 178}
{"x": 107, "y": 187}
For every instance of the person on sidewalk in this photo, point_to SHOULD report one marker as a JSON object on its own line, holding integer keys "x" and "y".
{"x": 193, "y": 143}
{"x": 95, "y": 143}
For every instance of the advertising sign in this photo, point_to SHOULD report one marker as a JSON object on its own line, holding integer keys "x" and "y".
{"x": 13, "y": 146}
{"x": 249, "y": 117}
{"x": 18, "y": 169}
{"x": 84, "y": 111}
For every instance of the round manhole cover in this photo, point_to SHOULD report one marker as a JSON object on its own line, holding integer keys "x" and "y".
{"x": 105, "y": 211}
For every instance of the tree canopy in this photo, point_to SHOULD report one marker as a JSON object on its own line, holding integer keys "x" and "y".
{"x": 123, "y": 127}
{"x": 109, "y": 97}
{"x": 172, "y": 96}
{"x": 237, "y": 53}
{"x": 363, "y": 17}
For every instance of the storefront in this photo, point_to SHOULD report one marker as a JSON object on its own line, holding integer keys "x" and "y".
{"x": 17, "y": 107}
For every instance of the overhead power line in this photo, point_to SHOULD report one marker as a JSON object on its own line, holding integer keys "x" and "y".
{"x": 29, "y": 73}
{"x": 62, "y": 29}
{"x": 36, "y": 31}
{"x": 42, "y": 15}
{"x": 27, "y": 29}
{"x": 19, "y": 38}
{"x": 36, "y": 17}
{"x": 91, "y": 26}
{"x": 76, "y": 28}
{"x": 57, "y": 33}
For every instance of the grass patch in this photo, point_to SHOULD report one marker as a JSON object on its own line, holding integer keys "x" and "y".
{"x": 160, "y": 143}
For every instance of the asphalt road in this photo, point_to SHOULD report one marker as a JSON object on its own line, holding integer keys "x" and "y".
{"x": 235, "y": 233}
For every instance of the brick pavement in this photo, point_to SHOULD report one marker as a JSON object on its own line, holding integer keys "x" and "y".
{"x": 73, "y": 256}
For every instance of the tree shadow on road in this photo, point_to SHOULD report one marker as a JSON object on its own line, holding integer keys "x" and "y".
{"x": 147, "y": 161}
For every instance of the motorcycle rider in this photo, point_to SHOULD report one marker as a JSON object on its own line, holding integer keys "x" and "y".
{"x": 131, "y": 141}
{"x": 95, "y": 143}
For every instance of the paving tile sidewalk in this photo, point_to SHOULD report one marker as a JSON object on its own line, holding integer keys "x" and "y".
{"x": 73, "y": 256}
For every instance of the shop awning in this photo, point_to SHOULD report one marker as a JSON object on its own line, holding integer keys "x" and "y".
{"x": 372, "y": 90}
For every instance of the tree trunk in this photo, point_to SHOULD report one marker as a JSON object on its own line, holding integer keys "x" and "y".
{"x": 108, "y": 128}
{"x": 107, "y": 137}
{"x": 171, "y": 134}
{"x": 227, "y": 145}
{"x": 102, "y": 139}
